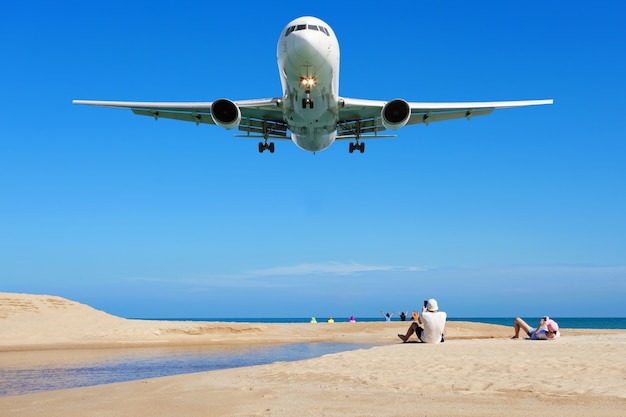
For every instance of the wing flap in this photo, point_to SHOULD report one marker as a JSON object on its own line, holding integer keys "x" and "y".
{"x": 360, "y": 127}
{"x": 430, "y": 117}
{"x": 260, "y": 127}
{"x": 185, "y": 117}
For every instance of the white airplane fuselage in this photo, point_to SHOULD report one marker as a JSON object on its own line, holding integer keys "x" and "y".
{"x": 308, "y": 61}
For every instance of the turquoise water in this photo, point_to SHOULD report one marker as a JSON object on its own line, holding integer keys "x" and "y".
{"x": 564, "y": 322}
{"x": 95, "y": 367}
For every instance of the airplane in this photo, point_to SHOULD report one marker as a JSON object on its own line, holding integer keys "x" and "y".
{"x": 310, "y": 107}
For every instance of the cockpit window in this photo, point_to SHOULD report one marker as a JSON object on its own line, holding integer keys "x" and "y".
{"x": 304, "y": 27}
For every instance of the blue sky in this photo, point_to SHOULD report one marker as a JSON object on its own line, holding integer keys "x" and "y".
{"x": 518, "y": 213}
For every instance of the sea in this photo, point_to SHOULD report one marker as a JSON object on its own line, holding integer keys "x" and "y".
{"x": 27, "y": 372}
{"x": 564, "y": 322}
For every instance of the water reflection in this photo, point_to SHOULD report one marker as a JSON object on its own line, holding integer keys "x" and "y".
{"x": 24, "y": 372}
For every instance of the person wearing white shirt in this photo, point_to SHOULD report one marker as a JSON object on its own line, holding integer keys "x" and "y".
{"x": 430, "y": 326}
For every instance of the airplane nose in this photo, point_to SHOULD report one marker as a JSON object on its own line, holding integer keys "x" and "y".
{"x": 306, "y": 46}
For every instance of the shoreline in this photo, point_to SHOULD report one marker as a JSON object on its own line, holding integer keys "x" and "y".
{"x": 41, "y": 322}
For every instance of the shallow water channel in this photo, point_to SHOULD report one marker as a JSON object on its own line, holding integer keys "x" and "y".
{"x": 25, "y": 372}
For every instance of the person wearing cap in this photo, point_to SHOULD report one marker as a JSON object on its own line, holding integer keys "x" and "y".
{"x": 430, "y": 325}
{"x": 548, "y": 329}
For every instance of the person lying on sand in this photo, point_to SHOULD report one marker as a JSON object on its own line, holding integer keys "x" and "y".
{"x": 548, "y": 329}
{"x": 434, "y": 322}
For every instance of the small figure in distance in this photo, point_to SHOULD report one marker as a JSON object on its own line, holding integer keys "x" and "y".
{"x": 387, "y": 316}
{"x": 414, "y": 316}
{"x": 403, "y": 315}
{"x": 352, "y": 319}
{"x": 434, "y": 322}
{"x": 313, "y": 320}
{"x": 330, "y": 320}
{"x": 547, "y": 329}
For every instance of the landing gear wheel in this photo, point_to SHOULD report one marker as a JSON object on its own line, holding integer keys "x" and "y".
{"x": 307, "y": 102}
{"x": 264, "y": 146}
{"x": 356, "y": 147}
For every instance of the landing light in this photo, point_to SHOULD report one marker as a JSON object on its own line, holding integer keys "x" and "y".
{"x": 307, "y": 82}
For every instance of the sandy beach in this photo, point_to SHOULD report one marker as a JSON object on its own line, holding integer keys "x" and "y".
{"x": 478, "y": 371}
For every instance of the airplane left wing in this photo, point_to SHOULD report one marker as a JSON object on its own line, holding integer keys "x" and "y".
{"x": 362, "y": 118}
{"x": 255, "y": 114}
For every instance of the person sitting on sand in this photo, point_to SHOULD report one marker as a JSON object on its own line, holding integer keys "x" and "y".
{"x": 434, "y": 322}
{"x": 403, "y": 315}
{"x": 548, "y": 329}
{"x": 352, "y": 319}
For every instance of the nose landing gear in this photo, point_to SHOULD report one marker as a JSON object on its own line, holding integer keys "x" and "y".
{"x": 308, "y": 83}
{"x": 307, "y": 102}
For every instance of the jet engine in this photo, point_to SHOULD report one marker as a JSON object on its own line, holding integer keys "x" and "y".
{"x": 395, "y": 114}
{"x": 225, "y": 113}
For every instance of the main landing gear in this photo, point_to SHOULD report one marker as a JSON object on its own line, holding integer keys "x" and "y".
{"x": 266, "y": 146}
{"x": 356, "y": 146}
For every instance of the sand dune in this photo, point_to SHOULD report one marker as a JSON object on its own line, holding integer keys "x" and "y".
{"x": 479, "y": 371}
